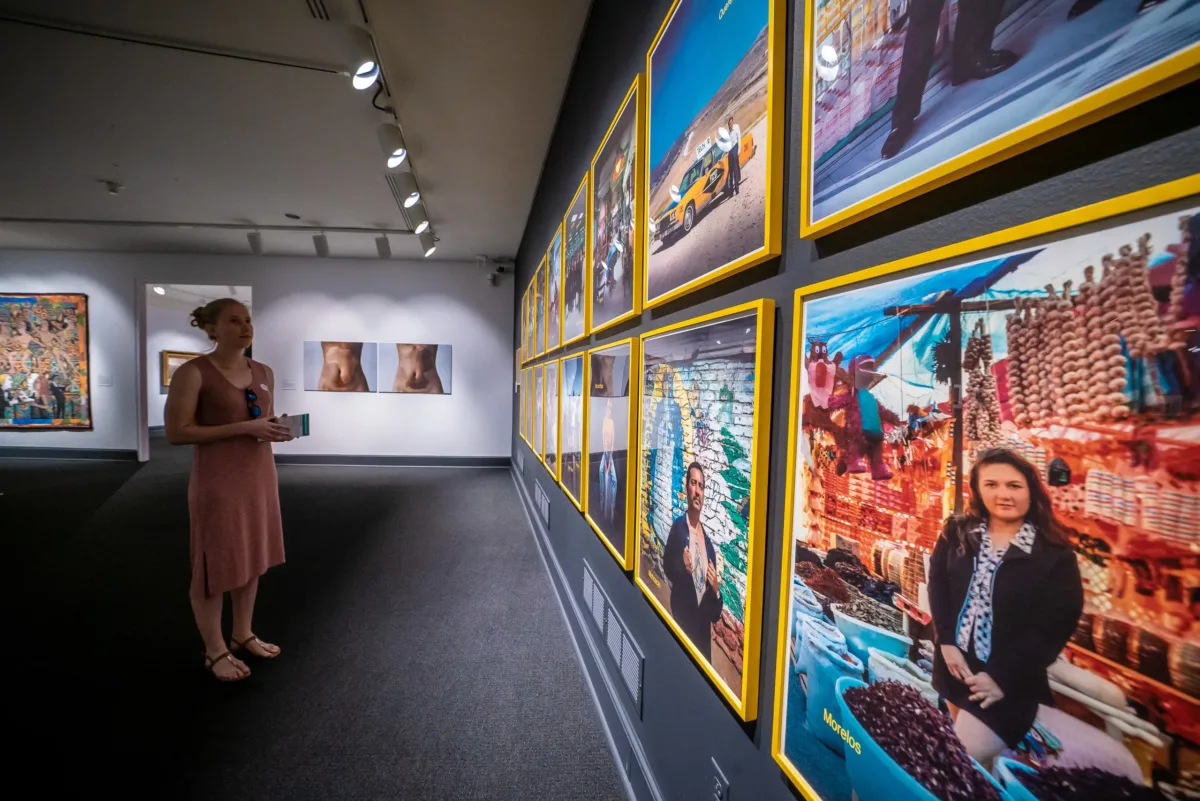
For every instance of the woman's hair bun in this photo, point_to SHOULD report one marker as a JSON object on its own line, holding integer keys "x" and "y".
{"x": 209, "y": 313}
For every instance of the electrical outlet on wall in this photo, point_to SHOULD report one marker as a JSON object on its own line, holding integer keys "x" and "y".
{"x": 720, "y": 783}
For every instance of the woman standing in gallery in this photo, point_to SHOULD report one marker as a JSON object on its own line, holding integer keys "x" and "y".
{"x": 1006, "y": 595}
{"x": 222, "y": 404}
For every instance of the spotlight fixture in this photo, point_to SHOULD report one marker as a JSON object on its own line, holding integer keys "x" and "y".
{"x": 418, "y": 218}
{"x": 428, "y": 243}
{"x": 361, "y": 65}
{"x": 158, "y": 290}
{"x": 321, "y": 243}
{"x": 256, "y": 243}
{"x": 383, "y": 246}
{"x": 392, "y": 142}
{"x": 407, "y": 184}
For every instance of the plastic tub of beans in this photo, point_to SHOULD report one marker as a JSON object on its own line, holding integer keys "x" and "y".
{"x": 1009, "y": 773}
{"x": 1023, "y": 783}
{"x": 876, "y": 776}
{"x": 861, "y": 636}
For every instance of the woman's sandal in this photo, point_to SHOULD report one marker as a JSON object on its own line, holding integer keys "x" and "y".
{"x": 211, "y": 664}
{"x": 241, "y": 646}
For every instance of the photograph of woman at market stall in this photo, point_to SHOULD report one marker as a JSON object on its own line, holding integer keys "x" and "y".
{"x": 899, "y": 91}
{"x": 997, "y": 507}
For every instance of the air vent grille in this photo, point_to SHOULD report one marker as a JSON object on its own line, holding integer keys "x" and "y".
{"x": 625, "y": 654}
{"x": 317, "y": 9}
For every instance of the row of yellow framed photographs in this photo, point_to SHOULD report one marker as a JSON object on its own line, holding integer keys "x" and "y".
{"x": 696, "y": 403}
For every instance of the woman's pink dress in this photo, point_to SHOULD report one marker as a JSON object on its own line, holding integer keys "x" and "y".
{"x": 233, "y": 497}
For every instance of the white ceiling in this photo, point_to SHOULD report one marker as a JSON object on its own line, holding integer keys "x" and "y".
{"x": 198, "y": 138}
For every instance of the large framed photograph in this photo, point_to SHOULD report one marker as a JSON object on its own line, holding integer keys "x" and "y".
{"x": 702, "y": 486}
{"x": 415, "y": 369}
{"x": 715, "y": 143}
{"x": 1039, "y": 386}
{"x": 171, "y": 360}
{"x": 903, "y": 96}
{"x": 341, "y": 366}
{"x": 550, "y": 424}
{"x": 573, "y": 424}
{"x": 44, "y": 361}
{"x": 539, "y": 308}
{"x": 617, "y": 210}
{"x": 522, "y": 312}
{"x": 522, "y": 402}
{"x": 575, "y": 234}
{"x": 609, "y": 499}
{"x": 554, "y": 292}
{"x": 537, "y": 406}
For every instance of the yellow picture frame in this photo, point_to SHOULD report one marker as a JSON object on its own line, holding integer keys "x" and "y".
{"x": 636, "y": 94}
{"x": 978, "y": 247}
{"x": 581, "y": 500}
{"x": 585, "y": 303}
{"x": 555, "y": 325}
{"x": 624, "y": 555}
{"x": 549, "y": 414}
{"x": 744, "y": 705}
{"x": 772, "y": 245}
{"x": 537, "y": 436}
{"x": 1170, "y": 73}
{"x": 540, "y": 312}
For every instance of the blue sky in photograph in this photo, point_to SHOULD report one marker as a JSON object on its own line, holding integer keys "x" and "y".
{"x": 698, "y": 52}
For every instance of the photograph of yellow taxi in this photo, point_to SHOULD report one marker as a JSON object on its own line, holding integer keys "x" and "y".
{"x": 713, "y": 176}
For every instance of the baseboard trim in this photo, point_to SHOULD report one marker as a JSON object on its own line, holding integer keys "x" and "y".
{"x": 616, "y": 697}
{"x": 391, "y": 461}
{"x": 71, "y": 454}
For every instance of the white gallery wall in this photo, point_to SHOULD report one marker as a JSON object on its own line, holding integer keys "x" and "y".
{"x": 167, "y": 328}
{"x": 298, "y": 299}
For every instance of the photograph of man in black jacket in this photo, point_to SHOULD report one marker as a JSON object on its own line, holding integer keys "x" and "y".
{"x": 690, "y": 565}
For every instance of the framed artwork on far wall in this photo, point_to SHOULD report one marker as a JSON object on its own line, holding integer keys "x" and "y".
{"x": 609, "y": 502}
{"x": 554, "y": 291}
{"x": 1061, "y": 355}
{"x": 522, "y": 400}
{"x": 170, "y": 361}
{"x": 575, "y": 261}
{"x": 415, "y": 369}
{"x": 715, "y": 114}
{"x": 618, "y": 211}
{"x": 901, "y": 98}
{"x": 44, "y": 363}
{"x": 573, "y": 423}
{"x": 550, "y": 425}
{"x": 522, "y": 312}
{"x": 702, "y": 488}
{"x": 341, "y": 366}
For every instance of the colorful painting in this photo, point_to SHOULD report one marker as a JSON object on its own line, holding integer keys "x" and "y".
{"x": 539, "y": 309}
{"x": 44, "y": 363}
{"x": 702, "y": 486}
{"x": 611, "y": 437}
{"x": 715, "y": 114}
{"x": 572, "y": 423}
{"x": 616, "y": 210}
{"x": 415, "y": 369}
{"x": 341, "y": 366}
{"x": 575, "y": 230}
{"x": 550, "y": 435}
{"x": 554, "y": 292}
{"x": 905, "y": 95}
{"x": 1079, "y": 356}
{"x": 537, "y": 416}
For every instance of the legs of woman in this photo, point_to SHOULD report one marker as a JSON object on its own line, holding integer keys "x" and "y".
{"x": 981, "y": 742}
{"x": 207, "y": 610}
{"x": 243, "y": 615}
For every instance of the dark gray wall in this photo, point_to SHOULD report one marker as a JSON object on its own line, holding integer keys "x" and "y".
{"x": 685, "y": 722}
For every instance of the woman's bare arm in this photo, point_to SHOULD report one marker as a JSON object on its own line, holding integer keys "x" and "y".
{"x": 180, "y": 414}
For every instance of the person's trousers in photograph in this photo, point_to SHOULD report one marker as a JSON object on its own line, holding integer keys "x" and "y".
{"x": 973, "y": 32}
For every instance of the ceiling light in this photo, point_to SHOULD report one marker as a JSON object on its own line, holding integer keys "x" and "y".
{"x": 256, "y": 245}
{"x": 393, "y": 146}
{"x": 428, "y": 244}
{"x": 418, "y": 218}
{"x": 158, "y": 290}
{"x": 321, "y": 243}
{"x": 406, "y": 184}
{"x": 361, "y": 65}
{"x": 383, "y": 246}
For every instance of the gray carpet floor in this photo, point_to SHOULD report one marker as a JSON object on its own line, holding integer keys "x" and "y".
{"x": 424, "y": 654}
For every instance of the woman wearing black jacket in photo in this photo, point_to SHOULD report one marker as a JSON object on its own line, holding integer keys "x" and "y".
{"x": 1006, "y": 595}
